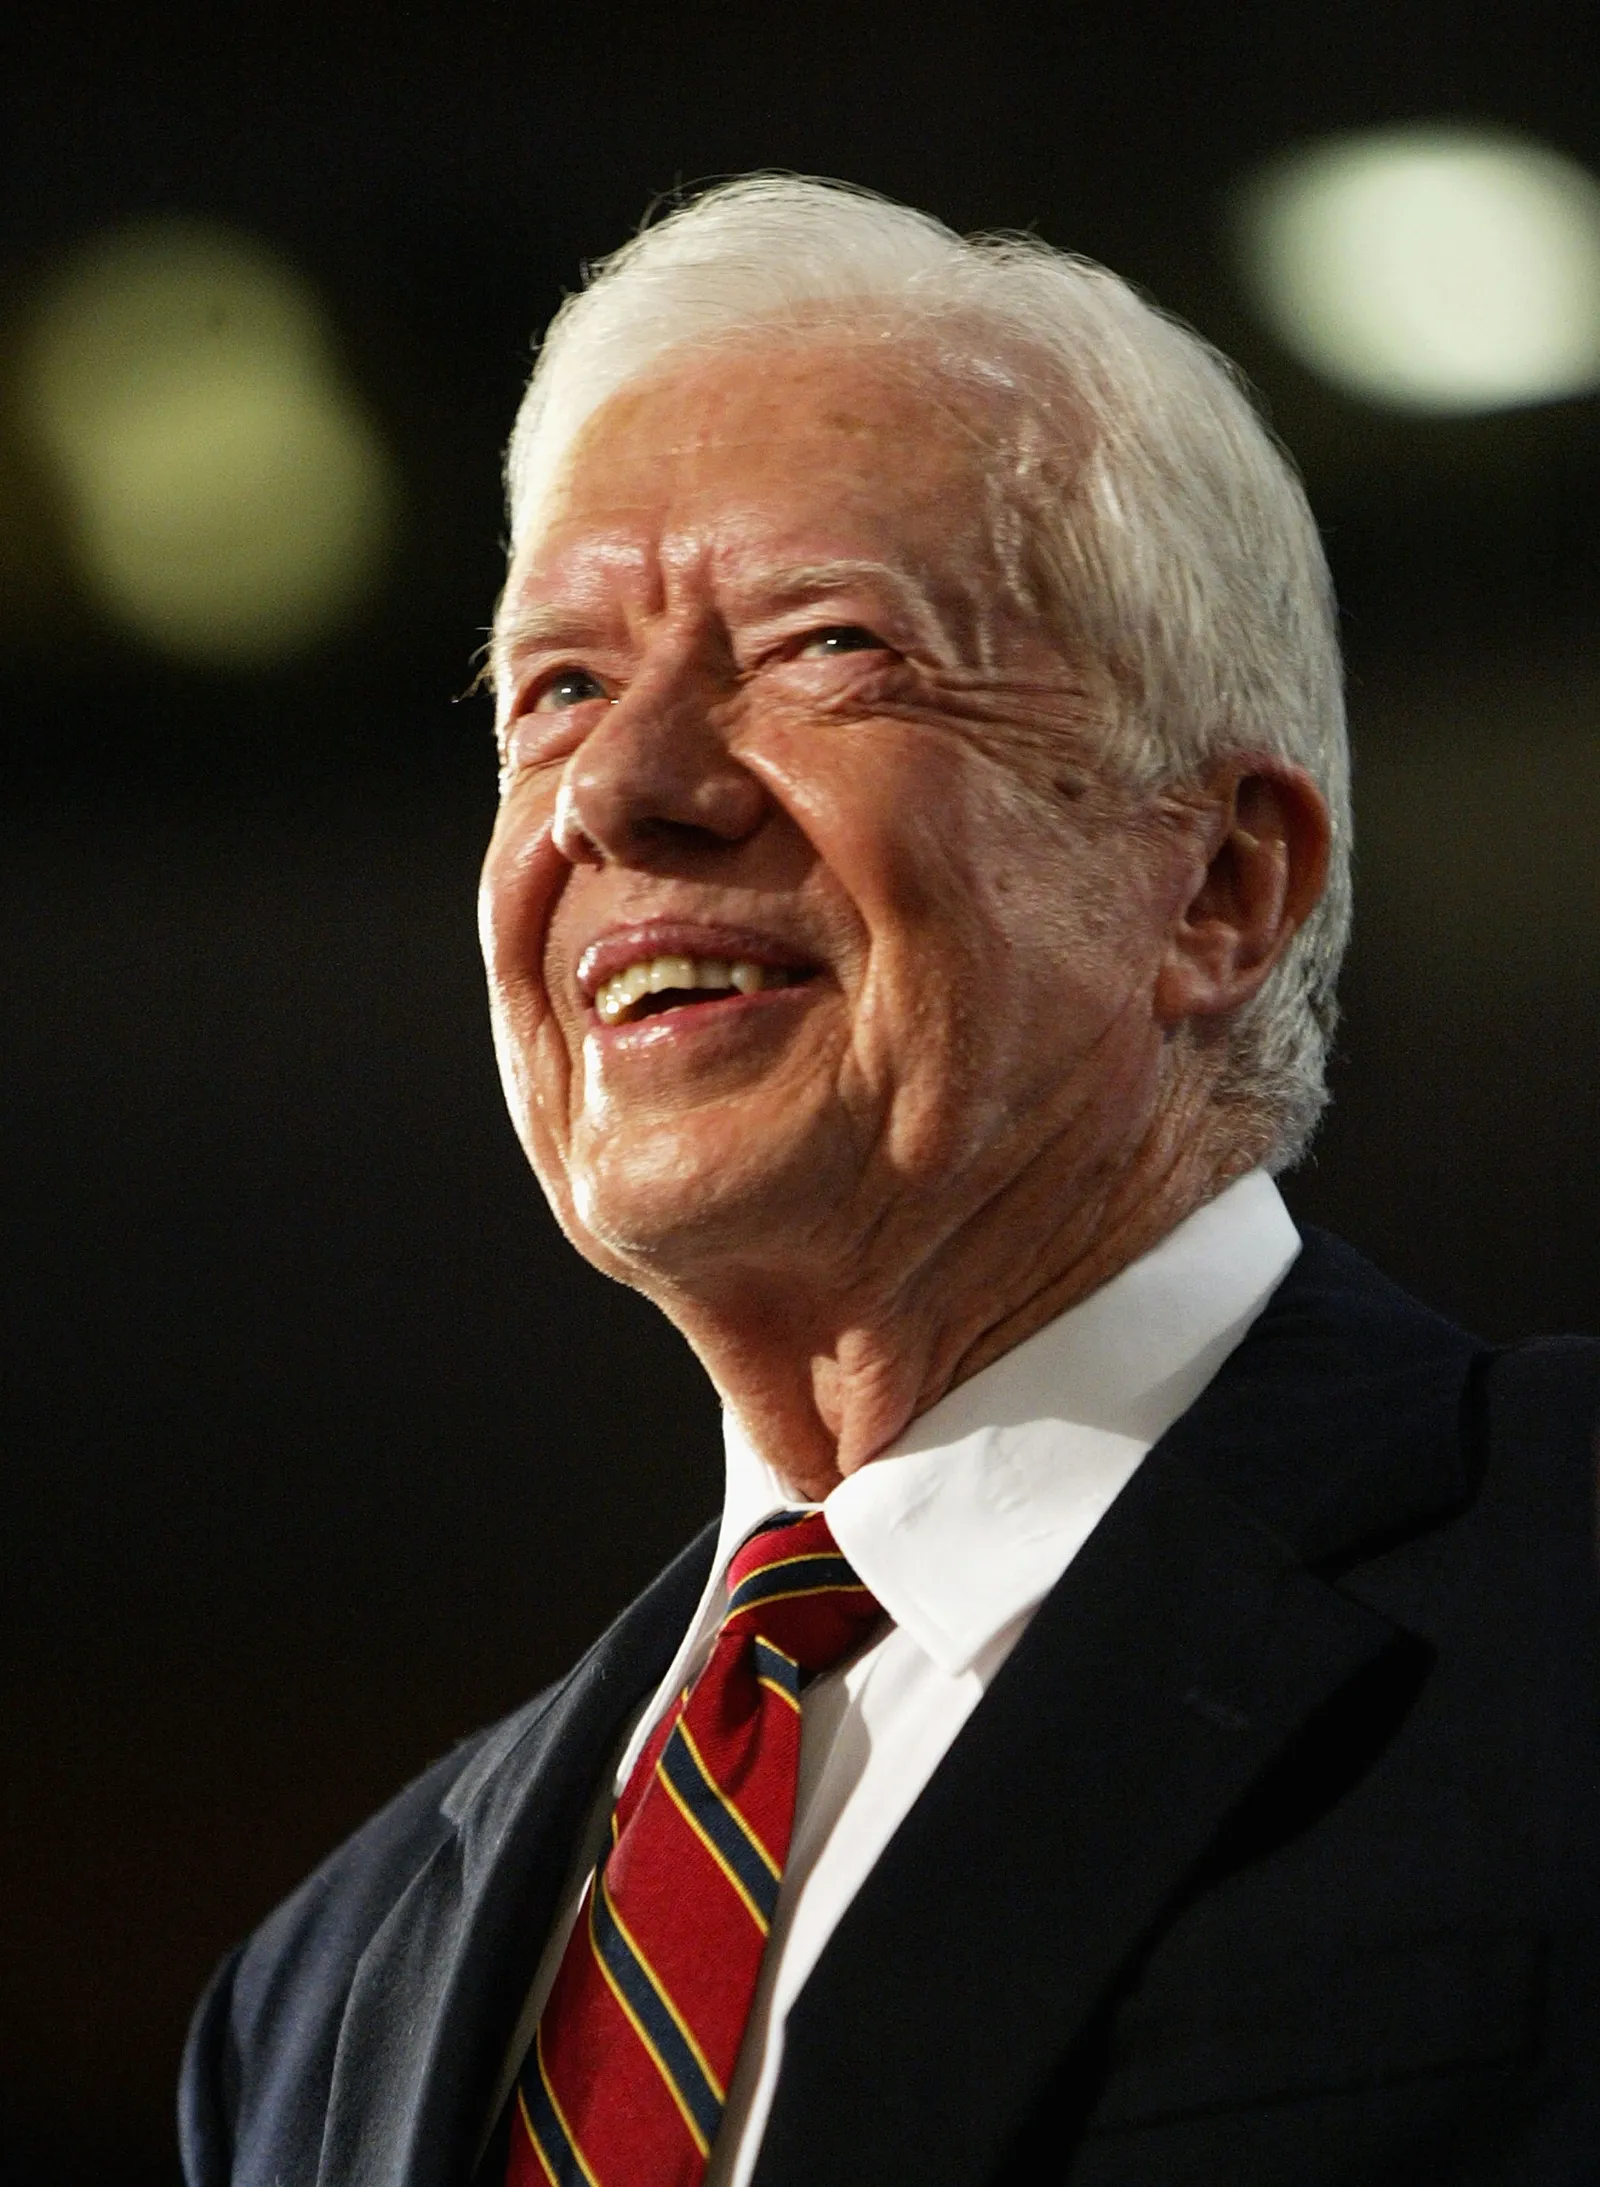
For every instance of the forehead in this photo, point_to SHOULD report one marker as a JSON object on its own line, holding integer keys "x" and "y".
{"x": 864, "y": 441}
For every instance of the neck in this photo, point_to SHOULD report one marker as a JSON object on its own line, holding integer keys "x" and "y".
{"x": 825, "y": 1376}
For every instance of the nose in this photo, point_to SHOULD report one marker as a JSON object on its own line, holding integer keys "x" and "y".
{"x": 653, "y": 772}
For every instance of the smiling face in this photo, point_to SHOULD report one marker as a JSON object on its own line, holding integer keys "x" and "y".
{"x": 813, "y": 927}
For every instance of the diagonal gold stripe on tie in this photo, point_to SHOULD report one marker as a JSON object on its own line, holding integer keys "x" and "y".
{"x": 777, "y": 1671}
{"x": 563, "y": 2123}
{"x": 678, "y": 1801}
{"x": 534, "y": 2142}
{"x": 669, "y": 2078}
{"x": 795, "y": 1594}
{"x": 612, "y": 2035}
{"x": 752, "y": 1587}
{"x": 782, "y": 1564}
{"x": 743, "y": 1820}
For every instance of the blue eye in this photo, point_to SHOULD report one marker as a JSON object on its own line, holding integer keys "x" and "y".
{"x": 569, "y": 687}
{"x": 842, "y": 638}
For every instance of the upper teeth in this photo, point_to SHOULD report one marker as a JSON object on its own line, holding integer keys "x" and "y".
{"x": 615, "y": 997}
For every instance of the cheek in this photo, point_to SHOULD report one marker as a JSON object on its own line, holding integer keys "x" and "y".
{"x": 957, "y": 898}
{"x": 519, "y": 889}
{"x": 1030, "y": 944}
{"x": 885, "y": 812}
{"x": 1004, "y": 927}
{"x": 955, "y": 867}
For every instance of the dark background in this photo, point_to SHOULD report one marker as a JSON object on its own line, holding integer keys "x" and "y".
{"x": 318, "y": 1447}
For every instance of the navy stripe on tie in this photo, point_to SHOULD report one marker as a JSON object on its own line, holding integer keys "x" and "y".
{"x": 794, "y": 1576}
{"x": 722, "y": 1825}
{"x": 543, "y": 2122}
{"x": 782, "y": 1669}
{"x": 657, "y": 2017}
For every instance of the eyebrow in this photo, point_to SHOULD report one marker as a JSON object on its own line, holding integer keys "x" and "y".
{"x": 795, "y": 583}
{"x": 548, "y": 625}
{"x": 532, "y": 627}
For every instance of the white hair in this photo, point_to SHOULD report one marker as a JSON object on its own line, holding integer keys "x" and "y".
{"x": 1182, "y": 557}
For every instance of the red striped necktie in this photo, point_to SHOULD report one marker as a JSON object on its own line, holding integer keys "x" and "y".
{"x": 629, "y": 2070}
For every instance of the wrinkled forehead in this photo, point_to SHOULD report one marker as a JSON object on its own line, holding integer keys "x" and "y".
{"x": 908, "y": 441}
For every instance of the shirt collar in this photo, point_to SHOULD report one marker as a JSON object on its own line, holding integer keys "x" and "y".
{"x": 970, "y": 1517}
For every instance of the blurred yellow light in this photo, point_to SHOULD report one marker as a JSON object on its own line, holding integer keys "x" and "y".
{"x": 229, "y": 500}
{"x": 1430, "y": 268}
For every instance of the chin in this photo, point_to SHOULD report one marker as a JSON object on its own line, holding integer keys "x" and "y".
{"x": 669, "y": 1208}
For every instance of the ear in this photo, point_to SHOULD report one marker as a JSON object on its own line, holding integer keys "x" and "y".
{"x": 1264, "y": 835}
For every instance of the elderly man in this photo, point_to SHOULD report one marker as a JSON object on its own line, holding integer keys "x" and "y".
{"x": 1136, "y": 1720}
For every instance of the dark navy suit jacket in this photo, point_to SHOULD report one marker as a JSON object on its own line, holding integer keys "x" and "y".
{"x": 1270, "y": 1859}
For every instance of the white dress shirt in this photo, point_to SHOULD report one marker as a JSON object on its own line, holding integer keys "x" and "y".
{"x": 960, "y": 1529}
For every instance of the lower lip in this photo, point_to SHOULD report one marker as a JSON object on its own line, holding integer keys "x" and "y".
{"x": 691, "y": 1021}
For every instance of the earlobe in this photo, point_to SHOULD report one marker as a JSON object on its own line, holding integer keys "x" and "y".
{"x": 1266, "y": 837}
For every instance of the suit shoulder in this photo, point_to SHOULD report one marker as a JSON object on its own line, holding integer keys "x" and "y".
{"x": 1539, "y": 1382}
{"x": 263, "y": 2037}
{"x": 1331, "y": 1278}
{"x": 330, "y": 1919}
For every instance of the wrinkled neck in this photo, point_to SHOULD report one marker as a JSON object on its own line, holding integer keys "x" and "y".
{"x": 825, "y": 1383}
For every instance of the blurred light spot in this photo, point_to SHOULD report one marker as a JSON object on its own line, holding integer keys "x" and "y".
{"x": 229, "y": 500}
{"x": 1430, "y": 268}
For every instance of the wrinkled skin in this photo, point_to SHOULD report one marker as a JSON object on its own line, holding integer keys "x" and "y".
{"x": 770, "y": 682}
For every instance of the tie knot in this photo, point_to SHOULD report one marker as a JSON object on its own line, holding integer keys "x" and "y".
{"x": 790, "y": 1584}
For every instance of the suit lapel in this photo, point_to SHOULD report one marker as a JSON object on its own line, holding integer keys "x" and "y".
{"x": 439, "y": 1987}
{"x": 1175, "y": 1661}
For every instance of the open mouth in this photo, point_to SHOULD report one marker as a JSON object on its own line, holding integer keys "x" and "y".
{"x": 653, "y": 984}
